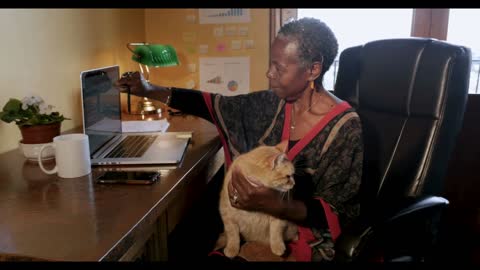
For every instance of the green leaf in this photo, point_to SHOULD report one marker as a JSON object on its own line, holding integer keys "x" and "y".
{"x": 13, "y": 104}
{"x": 8, "y": 117}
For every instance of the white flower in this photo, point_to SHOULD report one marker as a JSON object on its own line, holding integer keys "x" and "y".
{"x": 37, "y": 99}
{"x": 31, "y": 100}
{"x": 43, "y": 108}
{"x": 25, "y": 103}
{"x": 49, "y": 109}
{"x": 38, "y": 103}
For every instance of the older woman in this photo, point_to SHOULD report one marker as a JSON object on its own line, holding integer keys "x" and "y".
{"x": 324, "y": 134}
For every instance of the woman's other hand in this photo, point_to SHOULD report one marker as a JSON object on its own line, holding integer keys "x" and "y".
{"x": 249, "y": 194}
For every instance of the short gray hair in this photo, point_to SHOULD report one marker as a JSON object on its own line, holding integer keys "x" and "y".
{"x": 315, "y": 40}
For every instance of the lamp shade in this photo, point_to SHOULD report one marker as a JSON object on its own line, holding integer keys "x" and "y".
{"x": 155, "y": 55}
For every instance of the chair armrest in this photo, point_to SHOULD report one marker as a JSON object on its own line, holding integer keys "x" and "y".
{"x": 413, "y": 205}
{"x": 353, "y": 238}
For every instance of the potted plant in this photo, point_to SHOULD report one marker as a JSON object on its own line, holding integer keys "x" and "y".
{"x": 37, "y": 122}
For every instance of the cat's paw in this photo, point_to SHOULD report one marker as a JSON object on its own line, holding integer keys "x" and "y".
{"x": 291, "y": 233}
{"x": 231, "y": 251}
{"x": 278, "y": 248}
{"x": 295, "y": 238}
{"x": 221, "y": 241}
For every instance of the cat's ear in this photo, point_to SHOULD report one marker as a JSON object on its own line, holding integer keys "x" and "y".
{"x": 279, "y": 159}
{"x": 283, "y": 146}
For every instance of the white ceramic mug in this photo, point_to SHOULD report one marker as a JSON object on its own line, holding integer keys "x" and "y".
{"x": 72, "y": 155}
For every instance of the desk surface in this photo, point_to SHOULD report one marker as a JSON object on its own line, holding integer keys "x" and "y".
{"x": 76, "y": 220}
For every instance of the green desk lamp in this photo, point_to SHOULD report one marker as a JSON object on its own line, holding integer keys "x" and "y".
{"x": 151, "y": 55}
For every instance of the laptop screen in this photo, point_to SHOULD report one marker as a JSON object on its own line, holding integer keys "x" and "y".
{"x": 100, "y": 105}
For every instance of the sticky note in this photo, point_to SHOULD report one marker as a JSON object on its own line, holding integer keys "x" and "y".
{"x": 248, "y": 44}
{"x": 203, "y": 48}
{"x": 190, "y": 18}
{"x": 190, "y": 84}
{"x": 221, "y": 47}
{"x": 190, "y": 49}
{"x": 230, "y": 31}
{"x": 243, "y": 31}
{"x": 236, "y": 44}
{"x": 192, "y": 68}
{"x": 218, "y": 31}
{"x": 189, "y": 36}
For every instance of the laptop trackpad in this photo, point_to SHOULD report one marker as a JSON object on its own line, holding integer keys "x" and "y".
{"x": 168, "y": 148}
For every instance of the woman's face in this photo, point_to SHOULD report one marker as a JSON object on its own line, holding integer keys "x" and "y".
{"x": 288, "y": 78}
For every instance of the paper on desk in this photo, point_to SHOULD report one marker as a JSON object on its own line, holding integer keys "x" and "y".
{"x": 106, "y": 124}
{"x": 145, "y": 126}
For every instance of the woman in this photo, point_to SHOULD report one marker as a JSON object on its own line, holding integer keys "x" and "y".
{"x": 324, "y": 134}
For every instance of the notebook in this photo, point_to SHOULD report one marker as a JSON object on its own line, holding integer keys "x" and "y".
{"x": 109, "y": 143}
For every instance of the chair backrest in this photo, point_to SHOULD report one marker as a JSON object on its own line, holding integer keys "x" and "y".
{"x": 410, "y": 94}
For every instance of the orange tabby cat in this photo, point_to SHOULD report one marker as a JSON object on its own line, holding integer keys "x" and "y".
{"x": 271, "y": 167}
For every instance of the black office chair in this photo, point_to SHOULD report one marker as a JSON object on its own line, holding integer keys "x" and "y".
{"x": 410, "y": 95}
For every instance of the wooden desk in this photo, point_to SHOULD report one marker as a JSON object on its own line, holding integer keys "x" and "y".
{"x": 47, "y": 217}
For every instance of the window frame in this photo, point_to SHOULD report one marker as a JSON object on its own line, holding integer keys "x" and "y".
{"x": 430, "y": 23}
{"x": 426, "y": 22}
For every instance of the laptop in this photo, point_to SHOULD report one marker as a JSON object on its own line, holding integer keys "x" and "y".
{"x": 102, "y": 123}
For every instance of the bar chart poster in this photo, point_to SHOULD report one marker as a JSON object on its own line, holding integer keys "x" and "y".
{"x": 223, "y": 15}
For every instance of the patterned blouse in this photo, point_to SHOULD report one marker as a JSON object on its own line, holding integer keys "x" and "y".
{"x": 328, "y": 168}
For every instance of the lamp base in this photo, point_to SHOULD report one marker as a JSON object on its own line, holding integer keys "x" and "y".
{"x": 147, "y": 107}
{"x": 141, "y": 107}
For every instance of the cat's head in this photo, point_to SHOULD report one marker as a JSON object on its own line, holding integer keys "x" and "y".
{"x": 270, "y": 165}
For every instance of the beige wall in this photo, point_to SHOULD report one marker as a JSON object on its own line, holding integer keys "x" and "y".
{"x": 169, "y": 25}
{"x": 44, "y": 50}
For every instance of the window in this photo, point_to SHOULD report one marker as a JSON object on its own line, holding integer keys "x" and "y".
{"x": 357, "y": 26}
{"x": 461, "y": 22}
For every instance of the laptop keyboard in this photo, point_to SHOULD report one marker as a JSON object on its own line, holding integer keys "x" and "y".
{"x": 132, "y": 146}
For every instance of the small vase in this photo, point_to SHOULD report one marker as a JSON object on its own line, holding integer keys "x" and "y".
{"x": 39, "y": 133}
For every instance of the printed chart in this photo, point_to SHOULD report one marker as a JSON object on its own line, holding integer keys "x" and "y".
{"x": 223, "y": 15}
{"x": 228, "y": 76}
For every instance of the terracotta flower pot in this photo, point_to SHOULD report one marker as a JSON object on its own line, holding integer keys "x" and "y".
{"x": 39, "y": 133}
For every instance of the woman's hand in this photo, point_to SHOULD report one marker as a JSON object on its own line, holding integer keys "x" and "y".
{"x": 135, "y": 82}
{"x": 249, "y": 194}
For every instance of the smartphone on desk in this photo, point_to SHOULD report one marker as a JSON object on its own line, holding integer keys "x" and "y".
{"x": 129, "y": 177}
